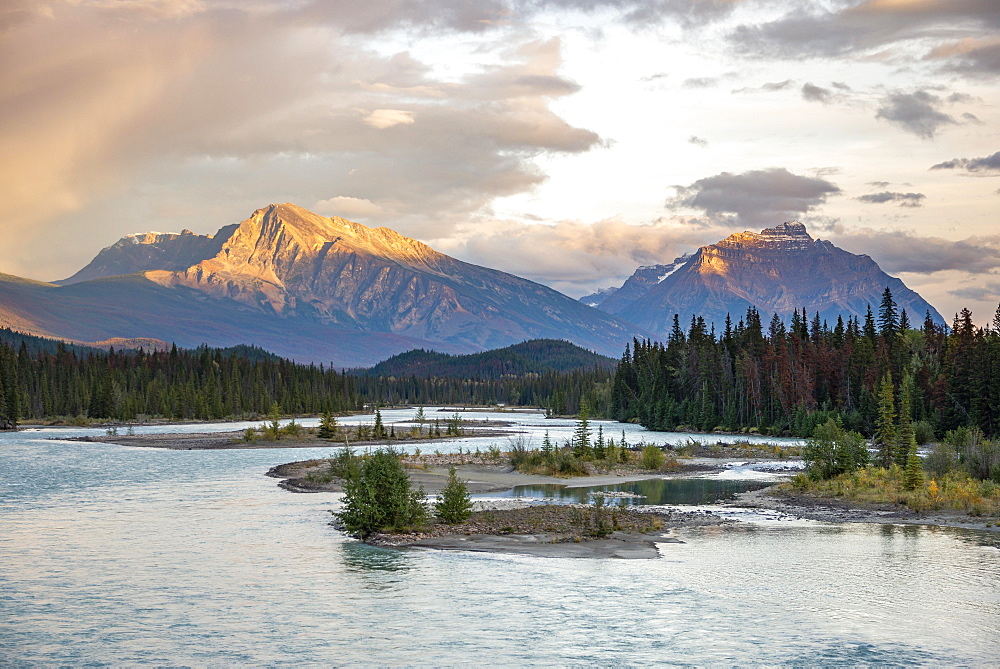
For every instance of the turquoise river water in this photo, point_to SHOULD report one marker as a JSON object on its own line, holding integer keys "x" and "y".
{"x": 118, "y": 555}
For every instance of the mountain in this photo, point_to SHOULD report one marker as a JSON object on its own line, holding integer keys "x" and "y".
{"x": 151, "y": 251}
{"x": 777, "y": 270}
{"x": 531, "y": 357}
{"x": 306, "y": 287}
{"x": 637, "y": 285}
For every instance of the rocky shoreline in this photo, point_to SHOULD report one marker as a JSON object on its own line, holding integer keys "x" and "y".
{"x": 839, "y": 510}
{"x": 557, "y": 530}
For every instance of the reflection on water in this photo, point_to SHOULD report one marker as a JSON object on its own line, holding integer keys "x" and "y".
{"x": 359, "y": 557}
{"x": 652, "y": 491}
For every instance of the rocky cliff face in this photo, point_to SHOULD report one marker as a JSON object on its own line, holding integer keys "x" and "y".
{"x": 777, "y": 270}
{"x": 151, "y": 251}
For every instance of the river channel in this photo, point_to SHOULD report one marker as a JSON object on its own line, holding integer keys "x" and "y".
{"x": 120, "y": 555}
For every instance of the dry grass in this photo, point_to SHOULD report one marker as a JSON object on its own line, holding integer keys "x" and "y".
{"x": 874, "y": 485}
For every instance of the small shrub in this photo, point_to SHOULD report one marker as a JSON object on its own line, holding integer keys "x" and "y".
{"x": 652, "y": 458}
{"x": 250, "y": 435}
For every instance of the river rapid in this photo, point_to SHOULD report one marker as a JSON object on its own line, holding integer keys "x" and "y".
{"x": 120, "y": 555}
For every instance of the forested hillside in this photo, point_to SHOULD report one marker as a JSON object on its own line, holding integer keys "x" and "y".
{"x": 787, "y": 380}
{"x": 536, "y": 356}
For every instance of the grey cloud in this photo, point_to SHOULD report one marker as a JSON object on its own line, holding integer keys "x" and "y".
{"x": 878, "y": 184}
{"x": 839, "y": 85}
{"x": 987, "y": 165}
{"x": 903, "y": 199}
{"x": 899, "y": 251}
{"x": 915, "y": 112}
{"x": 981, "y": 292}
{"x": 758, "y": 197}
{"x": 815, "y": 93}
{"x": 970, "y": 57}
{"x": 859, "y": 27}
{"x": 698, "y": 141}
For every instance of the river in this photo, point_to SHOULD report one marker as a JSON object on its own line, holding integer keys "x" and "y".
{"x": 119, "y": 555}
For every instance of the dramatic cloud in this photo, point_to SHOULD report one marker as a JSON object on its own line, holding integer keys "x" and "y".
{"x": 760, "y": 197}
{"x": 814, "y": 93}
{"x": 915, "y": 112}
{"x": 264, "y": 107}
{"x": 989, "y": 165}
{"x": 903, "y": 199}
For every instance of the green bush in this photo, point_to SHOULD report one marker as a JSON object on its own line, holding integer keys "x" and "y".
{"x": 832, "y": 451}
{"x": 378, "y": 497}
{"x": 652, "y": 458}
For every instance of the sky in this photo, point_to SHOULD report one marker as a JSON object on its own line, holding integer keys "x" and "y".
{"x": 566, "y": 141}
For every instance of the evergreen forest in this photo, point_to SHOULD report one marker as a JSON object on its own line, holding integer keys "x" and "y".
{"x": 787, "y": 379}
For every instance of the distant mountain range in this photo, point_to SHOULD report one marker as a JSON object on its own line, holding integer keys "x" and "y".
{"x": 305, "y": 287}
{"x": 777, "y": 271}
{"x": 328, "y": 290}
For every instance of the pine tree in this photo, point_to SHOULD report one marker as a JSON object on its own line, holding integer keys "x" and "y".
{"x": 888, "y": 317}
{"x": 905, "y": 438}
{"x": 379, "y": 431}
{"x": 327, "y": 426}
{"x": 454, "y": 506}
{"x": 913, "y": 476}
{"x": 884, "y": 438}
{"x": 581, "y": 435}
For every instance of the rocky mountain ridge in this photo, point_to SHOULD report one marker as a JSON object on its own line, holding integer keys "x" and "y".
{"x": 304, "y": 286}
{"x": 777, "y": 270}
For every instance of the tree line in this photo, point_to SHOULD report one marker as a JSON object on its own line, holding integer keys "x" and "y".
{"x": 210, "y": 383}
{"x": 790, "y": 378}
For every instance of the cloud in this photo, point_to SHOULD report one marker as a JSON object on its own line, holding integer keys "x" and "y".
{"x": 901, "y": 251}
{"x": 759, "y": 197}
{"x": 590, "y": 254}
{"x": 904, "y": 199}
{"x": 859, "y": 29}
{"x": 814, "y": 93}
{"x": 348, "y": 207}
{"x": 769, "y": 87}
{"x": 701, "y": 82}
{"x": 990, "y": 165}
{"x": 264, "y": 102}
{"x": 698, "y": 141}
{"x": 915, "y": 112}
{"x": 386, "y": 118}
{"x": 971, "y": 56}
{"x": 980, "y": 292}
